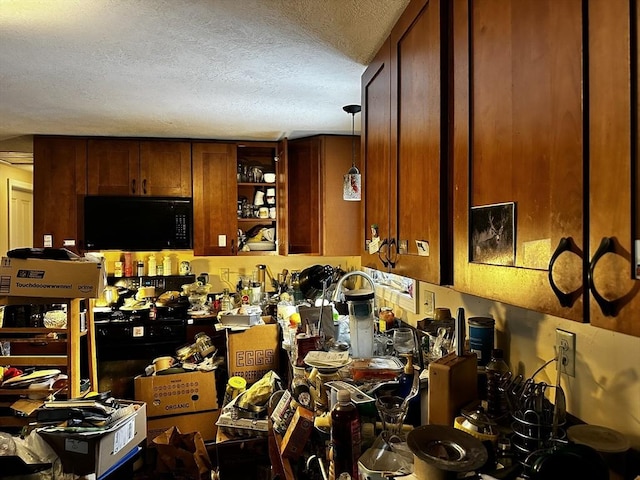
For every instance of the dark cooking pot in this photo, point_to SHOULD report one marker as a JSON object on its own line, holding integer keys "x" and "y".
{"x": 569, "y": 461}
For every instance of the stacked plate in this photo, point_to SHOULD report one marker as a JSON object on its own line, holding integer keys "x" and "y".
{"x": 27, "y": 379}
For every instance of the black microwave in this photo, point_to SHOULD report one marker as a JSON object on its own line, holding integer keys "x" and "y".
{"x": 137, "y": 223}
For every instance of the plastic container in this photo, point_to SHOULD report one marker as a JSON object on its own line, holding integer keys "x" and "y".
{"x": 346, "y": 436}
{"x": 376, "y": 368}
{"x": 361, "y": 322}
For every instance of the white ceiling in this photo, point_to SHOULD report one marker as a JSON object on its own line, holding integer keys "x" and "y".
{"x": 219, "y": 69}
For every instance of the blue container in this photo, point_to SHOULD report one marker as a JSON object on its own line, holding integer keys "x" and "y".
{"x": 481, "y": 333}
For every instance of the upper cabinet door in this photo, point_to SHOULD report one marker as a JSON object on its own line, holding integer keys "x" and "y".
{"x": 613, "y": 159}
{"x": 59, "y": 185}
{"x": 113, "y": 167}
{"x": 165, "y": 169}
{"x": 405, "y": 143}
{"x": 420, "y": 200}
{"x": 376, "y": 169}
{"x": 518, "y": 153}
{"x": 133, "y": 167}
{"x": 214, "y": 199}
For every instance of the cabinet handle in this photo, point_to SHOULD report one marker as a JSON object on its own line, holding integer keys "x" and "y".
{"x": 608, "y": 307}
{"x": 394, "y": 260}
{"x": 144, "y": 186}
{"x": 385, "y": 261}
{"x": 233, "y": 246}
{"x": 133, "y": 186}
{"x": 566, "y": 245}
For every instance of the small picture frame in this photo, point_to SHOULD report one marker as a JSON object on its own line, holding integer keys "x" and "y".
{"x": 492, "y": 234}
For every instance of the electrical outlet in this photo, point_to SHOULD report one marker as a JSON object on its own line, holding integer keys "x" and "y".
{"x": 428, "y": 299}
{"x": 224, "y": 274}
{"x": 567, "y": 341}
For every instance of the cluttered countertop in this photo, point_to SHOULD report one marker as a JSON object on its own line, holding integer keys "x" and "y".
{"x": 359, "y": 392}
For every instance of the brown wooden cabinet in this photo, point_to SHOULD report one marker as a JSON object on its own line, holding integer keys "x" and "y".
{"x": 614, "y": 211}
{"x": 518, "y": 137}
{"x": 134, "y": 167}
{"x": 59, "y": 185}
{"x": 219, "y": 184}
{"x": 321, "y": 222}
{"x": 214, "y": 199}
{"x": 406, "y": 146}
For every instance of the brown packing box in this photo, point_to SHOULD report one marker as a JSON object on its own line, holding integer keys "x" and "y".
{"x": 97, "y": 452}
{"x": 203, "y": 422}
{"x": 253, "y": 352}
{"x": 453, "y": 383}
{"x": 51, "y": 278}
{"x": 297, "y": 434}
{"x": 177, "y": 393}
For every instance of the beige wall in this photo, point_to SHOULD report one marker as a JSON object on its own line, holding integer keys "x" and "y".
{"x": 7, "y": 173}
{"x": 240, "y": 265}
{"x": 606, "y": 388}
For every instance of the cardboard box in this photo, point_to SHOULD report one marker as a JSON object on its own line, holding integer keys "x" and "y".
{"x": 242, "y": 427}
{"x": 52, "y": 278}
{"x": 297, "y": 434}
{"x": 253, "y": 352}
{"x": 97, "y": 452}
{"x": 177, "y": 393}
{"x": 203, "y": 422}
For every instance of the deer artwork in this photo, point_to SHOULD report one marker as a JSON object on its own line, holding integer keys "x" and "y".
{"x": 488, "y": 242}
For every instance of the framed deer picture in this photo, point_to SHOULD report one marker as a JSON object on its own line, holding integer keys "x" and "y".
{"x": 493, "y": 234}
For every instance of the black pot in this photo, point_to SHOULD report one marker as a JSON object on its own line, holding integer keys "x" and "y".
{"x": 569, "y": 461}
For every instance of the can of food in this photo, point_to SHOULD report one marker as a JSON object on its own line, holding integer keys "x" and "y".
{"x": 235, "y": 386}
{"x": 481, "y": 333}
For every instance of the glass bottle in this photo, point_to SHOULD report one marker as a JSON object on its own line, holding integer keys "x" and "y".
{"x": 345, "y": 436}
{"x": 496, "y": 401}
{"x": 225, "y": 301}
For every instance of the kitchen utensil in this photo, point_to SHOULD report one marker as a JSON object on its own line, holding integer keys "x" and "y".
{"x": 440, "y": 451}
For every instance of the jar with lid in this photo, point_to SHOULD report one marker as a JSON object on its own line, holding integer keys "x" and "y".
{"x": 204, "y": 344}
{"x": 387, "y": 319}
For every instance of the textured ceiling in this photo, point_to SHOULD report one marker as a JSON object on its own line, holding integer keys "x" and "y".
{"x": 224, "y": 69}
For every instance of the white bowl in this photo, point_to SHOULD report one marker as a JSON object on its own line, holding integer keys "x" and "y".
{"x": 269, "y": 177}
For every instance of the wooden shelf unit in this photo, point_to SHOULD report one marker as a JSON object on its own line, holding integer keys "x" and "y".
{"x": 70, "y": 360}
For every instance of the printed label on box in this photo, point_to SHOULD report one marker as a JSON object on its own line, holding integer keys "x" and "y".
{"x": 124, "y": 435}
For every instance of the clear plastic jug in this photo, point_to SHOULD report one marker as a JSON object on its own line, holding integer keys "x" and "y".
{"x": 361, "y": 322}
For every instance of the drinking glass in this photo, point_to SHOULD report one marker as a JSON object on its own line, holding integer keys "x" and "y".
{"x": 403, "y": 340}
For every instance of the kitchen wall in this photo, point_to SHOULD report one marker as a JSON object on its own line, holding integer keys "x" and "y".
{"x": 7, "y": 172}
{"x": 606, "y": 388}
{"x": 240, "y": 265}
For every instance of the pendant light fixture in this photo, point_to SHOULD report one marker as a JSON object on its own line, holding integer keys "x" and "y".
{"x": 351, "y": 188}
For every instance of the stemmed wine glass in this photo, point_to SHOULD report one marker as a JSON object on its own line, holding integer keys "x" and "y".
{"x": 403, "y": 342}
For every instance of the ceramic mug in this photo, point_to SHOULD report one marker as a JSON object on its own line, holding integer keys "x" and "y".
{"x": 185, "y": 268}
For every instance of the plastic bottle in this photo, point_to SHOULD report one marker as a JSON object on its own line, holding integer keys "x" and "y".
{"x": 496, "y": 401}
{"x": 166, "y": 265}
{"x": 151, "y": 266}
{"x": 346, "y": 436}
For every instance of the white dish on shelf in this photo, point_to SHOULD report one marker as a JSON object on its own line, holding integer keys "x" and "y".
{"x": 261, "y": 246}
